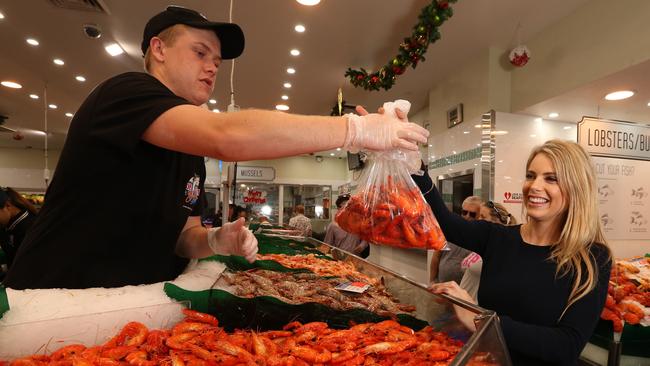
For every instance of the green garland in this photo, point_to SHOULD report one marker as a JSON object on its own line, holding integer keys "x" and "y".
{"x": 411, "y": 51}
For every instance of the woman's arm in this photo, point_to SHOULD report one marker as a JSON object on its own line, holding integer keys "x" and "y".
{"x": 471, "y": 235}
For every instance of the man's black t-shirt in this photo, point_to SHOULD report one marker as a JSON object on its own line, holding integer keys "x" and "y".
{"x": 117, "y": 204}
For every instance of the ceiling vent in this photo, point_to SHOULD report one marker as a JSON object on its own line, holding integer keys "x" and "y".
{"x": 96, "y": 6}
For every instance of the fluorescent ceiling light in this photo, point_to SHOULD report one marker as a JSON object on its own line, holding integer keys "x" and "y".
{"x": 619, "y": 95}
{"x": 32, "y": 41}
{"x": 308, "y": 2}
{"x": 496, "y": 133}
{"x": 285, "y": 97}
{"x": 58, "y": 61}
{"x": 11, "y": 84}
{"x": 465, "y": 132}
{"x": 553, "y": 115}
{"x": 291, "y": 70}
{"x": 114, "y": 49}
{"x": 282, "y": 107}
{"x": 80, "y": 78}
{"x": 53, "y": 106}
{"x": 287, "y": 85}
{"x": 294, "y": 52}
{"x": 33, "y": 96}
{"x": 69, "y": 115}
{"x": 567, "y": 127}
{"x": 212, "y": 101}
{"x": 299, "y": 28}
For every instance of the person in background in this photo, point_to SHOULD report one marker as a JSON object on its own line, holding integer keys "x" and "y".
{"x": 337, "y": 237}
{"x": 17, "y": 215}
{"x": 445, "y": 264}
{"x": 472, "y": 264}
{"x": 146, "y": 134}
{"x": 300, "y": 222}
{"x": 546, "y": 279}
{"x": 239, "y": 212}
{"x": 263, "y": 220}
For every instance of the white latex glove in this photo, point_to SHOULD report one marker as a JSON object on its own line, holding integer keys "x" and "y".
{"x": 413, "y": 158}
{"x": 379, "y": 132}
{"x": 233, "y": 238}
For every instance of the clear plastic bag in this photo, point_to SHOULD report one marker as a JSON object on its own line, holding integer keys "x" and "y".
{"x": 387, "y": 208}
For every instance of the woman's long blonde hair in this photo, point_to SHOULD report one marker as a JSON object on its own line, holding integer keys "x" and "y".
{"x": 577, "y": 181}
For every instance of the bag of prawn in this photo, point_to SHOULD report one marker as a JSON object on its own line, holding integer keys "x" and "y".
{"x": 387, "y": 207}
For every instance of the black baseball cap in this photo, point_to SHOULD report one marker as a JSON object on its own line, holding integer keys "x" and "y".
{"x": 230, "y": 34}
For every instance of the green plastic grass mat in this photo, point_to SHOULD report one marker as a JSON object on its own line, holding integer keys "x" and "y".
{"x": 276, "y": 245}
{"x": 269, "y": 313}
{"x": 238, "y": 263}
{"x": 635, "y": 338}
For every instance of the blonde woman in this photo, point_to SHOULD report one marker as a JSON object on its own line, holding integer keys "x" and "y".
{"x": 546, "y": 279}
{"x": 472, "y": 264}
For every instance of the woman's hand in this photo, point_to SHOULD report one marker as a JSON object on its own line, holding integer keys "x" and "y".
{"x": 451, "y": 288}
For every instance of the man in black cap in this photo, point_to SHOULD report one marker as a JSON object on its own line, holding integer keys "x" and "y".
{"x": 124, "y": 205}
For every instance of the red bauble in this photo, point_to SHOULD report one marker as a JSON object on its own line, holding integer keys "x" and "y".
{"x": 374, "y": 79}
{"x": 519, "y": 56}
{"x": 360, "y": 77}
{"x": 443, "y": 4}
{"x": 398, "y": 70}
{"x": 18, "y": 136}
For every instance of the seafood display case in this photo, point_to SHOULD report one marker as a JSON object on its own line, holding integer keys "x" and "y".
{"x": 486, "y": 346}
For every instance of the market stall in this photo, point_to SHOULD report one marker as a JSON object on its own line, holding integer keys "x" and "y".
{"x": 239, "y": 299}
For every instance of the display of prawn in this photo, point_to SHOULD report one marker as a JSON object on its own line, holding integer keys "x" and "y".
{"x": 199, "y": 341}
{"x": 320, "y": 266}
{"x": 301, "y": 288}
{"x": 628, "y": 297}
{"x": 392, "y": 214}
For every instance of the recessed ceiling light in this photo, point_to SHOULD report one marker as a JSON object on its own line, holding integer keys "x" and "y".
{"x": 338, "y": 149}
{"x": 33, "y": 96}
{"x": 331, "y": 154}
{"x": 32, "y": 41}
{"x": 308, "y": 2}
{"x": 2, "y": 16}
{"x": 282, "y": 107}
{"x": 553, "y": 115}
{"x": 648, "y": 104}
{"x": 69, "y": 115}
{"x": 212, "y": 101}
{"x": 58, "y": 61}
{"x": 567, "y": 127}
{"x": 216, "y": 110}
{"x": 430, "y": 145}
{"x": 499, "y": 132}
{"x": 53, "y": 106}
{"x": 11, "y": 84}
{"x": 618, "y": 95}
{"x": 242, "y": 185}
{"x": 454, "y": 152}
{"x": 294, "y": 52}
{"x": 285, "y": 97}
{"x": 299, "y": 28}
{"x": 114, "y": 49}
{"x": 291, "y": 70}
{"x": 80, "y": 78}
{"x": 466, "y": 132}
{"x": 287, "y": 85}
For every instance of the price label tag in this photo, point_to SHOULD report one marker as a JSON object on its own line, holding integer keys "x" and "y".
{"x": 357, "y": 287}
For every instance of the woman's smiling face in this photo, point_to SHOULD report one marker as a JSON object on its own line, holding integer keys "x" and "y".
{"x": 543, "y": 197}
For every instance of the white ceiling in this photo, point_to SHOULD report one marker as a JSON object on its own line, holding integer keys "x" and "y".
{"x": 340, "y": 34}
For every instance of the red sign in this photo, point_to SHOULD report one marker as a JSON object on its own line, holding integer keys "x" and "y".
{"x": 515, "y": 197}
{"x": 255, "y": 197}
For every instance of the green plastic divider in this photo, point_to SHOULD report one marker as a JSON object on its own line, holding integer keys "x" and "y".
{"x": 4, "y": 301}
{"x": 267, "y": 313}
{"x": 635, "y": 338}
